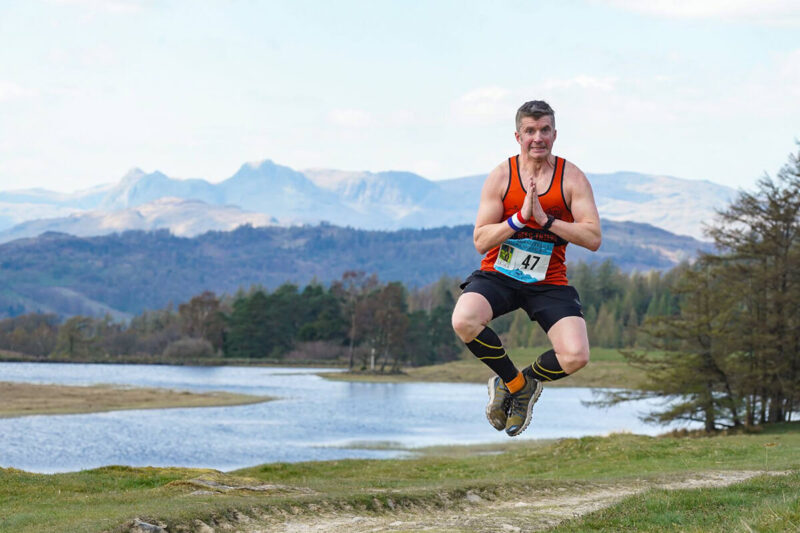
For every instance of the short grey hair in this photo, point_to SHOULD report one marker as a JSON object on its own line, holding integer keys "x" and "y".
{"x": 535, "y": 109}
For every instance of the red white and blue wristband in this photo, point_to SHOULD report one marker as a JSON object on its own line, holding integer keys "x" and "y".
{"x": 516, "y": 221}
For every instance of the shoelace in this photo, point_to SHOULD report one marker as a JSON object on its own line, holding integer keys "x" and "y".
{"x": 519, "y": 405}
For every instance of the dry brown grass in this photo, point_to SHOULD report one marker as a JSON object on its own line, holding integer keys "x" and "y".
{"x": 22, "y": 399}
{"x": 597, "y": 374}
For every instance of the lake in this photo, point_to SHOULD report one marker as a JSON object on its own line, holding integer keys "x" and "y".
{"x": 313, "y": 419}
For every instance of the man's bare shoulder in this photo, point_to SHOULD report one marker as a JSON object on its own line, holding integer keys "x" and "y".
{"x": 573, "y": 176}
{"x": 497, "y": 180}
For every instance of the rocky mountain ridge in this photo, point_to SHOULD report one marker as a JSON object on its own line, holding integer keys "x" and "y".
{"x": 367, "y": 200}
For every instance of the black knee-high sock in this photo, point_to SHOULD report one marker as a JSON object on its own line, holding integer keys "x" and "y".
{"x": 547, "y": 367}
{"x": 488, "y": 348}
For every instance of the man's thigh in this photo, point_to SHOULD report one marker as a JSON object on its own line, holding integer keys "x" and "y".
{"x": 569, "y": 336}
{"x": 500, "y": 296}
{"x": 473, "y": 306}
{"x": 550, "y": 304}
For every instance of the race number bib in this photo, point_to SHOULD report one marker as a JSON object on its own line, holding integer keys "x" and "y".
{"x": 524, "y": 259}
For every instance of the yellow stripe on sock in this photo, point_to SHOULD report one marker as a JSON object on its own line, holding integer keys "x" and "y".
{"x": 488, "y": 346}
{"x": 492, "y": 357}
{"x": 548, "y": 378}
{"x": 543, "y": 369}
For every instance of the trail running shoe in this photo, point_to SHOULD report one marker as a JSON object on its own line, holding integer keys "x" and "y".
{"x": 522, "y": 401}
{"x": 499, "y": 402}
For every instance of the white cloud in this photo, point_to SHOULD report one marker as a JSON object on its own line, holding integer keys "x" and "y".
{"x": 484, "y": 103}
{"x": 350, "y": 118}
{"x": 402, "y": 117}
{"x": 582, "y": 82}
{"x": 98, "y": 56}
{"x": 91, "y": 57}
{"x": 10, "y": 91}
{"x": 770, "y": 12}
{"x": 776, "y": 91}
{"x": 790, "y": 67}
{"x": 495, "y": 104}
{"x": 426, "y": 167}
{"x": 111, "y": 6}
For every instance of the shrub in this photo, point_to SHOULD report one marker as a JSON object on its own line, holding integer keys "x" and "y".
{"x": 187, "y": 348}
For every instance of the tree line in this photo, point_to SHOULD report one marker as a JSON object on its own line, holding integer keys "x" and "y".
{"x": 729, "y": 355}
{"x": 614, "y": 305}
{"x": 356, "y": 319}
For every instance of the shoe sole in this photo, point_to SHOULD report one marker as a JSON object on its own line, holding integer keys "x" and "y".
{"x": 489, "y": 405}
{"x": 528, "y": 417}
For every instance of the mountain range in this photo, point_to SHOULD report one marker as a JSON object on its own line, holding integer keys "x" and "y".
{"x": 265, "y": 193}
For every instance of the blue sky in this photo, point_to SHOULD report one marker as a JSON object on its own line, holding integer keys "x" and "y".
{"x": 89, "y": 89}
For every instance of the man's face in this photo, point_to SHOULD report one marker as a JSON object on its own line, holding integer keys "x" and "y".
{"x": 536, "y": 136}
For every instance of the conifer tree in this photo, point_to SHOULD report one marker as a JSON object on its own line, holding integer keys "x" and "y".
{"x": 246, "y": 335}
{"x": 693, "y": 361}
{"x": 760, "y": 238}
{"x": 730, "y": 356}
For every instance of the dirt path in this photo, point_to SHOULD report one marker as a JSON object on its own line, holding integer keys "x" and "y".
{"x": 474, "y": 513}
{"x": 534, "y": 512}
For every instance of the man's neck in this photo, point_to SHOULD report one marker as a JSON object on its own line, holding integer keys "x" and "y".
{"x": 536, "y": 166}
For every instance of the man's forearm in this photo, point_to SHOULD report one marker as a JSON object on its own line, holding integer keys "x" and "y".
{"x": 490, "y": 235}
{"x": 586, "y": 234}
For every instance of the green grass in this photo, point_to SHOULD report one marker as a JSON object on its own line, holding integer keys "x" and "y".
{"x": 103, "y": 499}
{"x": 765, "y": 503}
{"x": 596, "y": 458}
{"x": 597, "y": 355}
{"x": 607, "y": 368}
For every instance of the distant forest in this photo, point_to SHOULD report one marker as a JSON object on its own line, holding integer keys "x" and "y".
{"x": 357, "y": 320}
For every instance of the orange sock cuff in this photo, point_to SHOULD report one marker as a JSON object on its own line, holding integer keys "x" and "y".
{"x": 516, "y": 384}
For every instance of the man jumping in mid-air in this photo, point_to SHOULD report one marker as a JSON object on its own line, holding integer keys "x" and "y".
{"x": 531, "y": 206}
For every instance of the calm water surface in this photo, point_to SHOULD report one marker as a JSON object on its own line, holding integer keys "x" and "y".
{"x": 313, "y": 419}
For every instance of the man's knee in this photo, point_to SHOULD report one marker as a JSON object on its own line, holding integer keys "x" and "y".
{"x": 470, "y": 316}
{"x": 570, "y": 343}
{"x": 573, "y": 358}
{"x": 466, "y": 325}
{"x": 459, "y": 322}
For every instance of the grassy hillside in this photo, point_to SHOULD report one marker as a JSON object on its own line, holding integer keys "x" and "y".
{"x": 746, "y": 482}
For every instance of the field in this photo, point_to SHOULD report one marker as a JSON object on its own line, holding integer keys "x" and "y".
{"x": 743, "y": 482}
{"x": 607, "y": 368}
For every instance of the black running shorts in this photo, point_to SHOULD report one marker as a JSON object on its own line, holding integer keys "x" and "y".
{"x": 546, "y": 304}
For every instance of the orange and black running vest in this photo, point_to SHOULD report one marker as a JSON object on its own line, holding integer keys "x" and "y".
{"x": 532, "y": 255}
